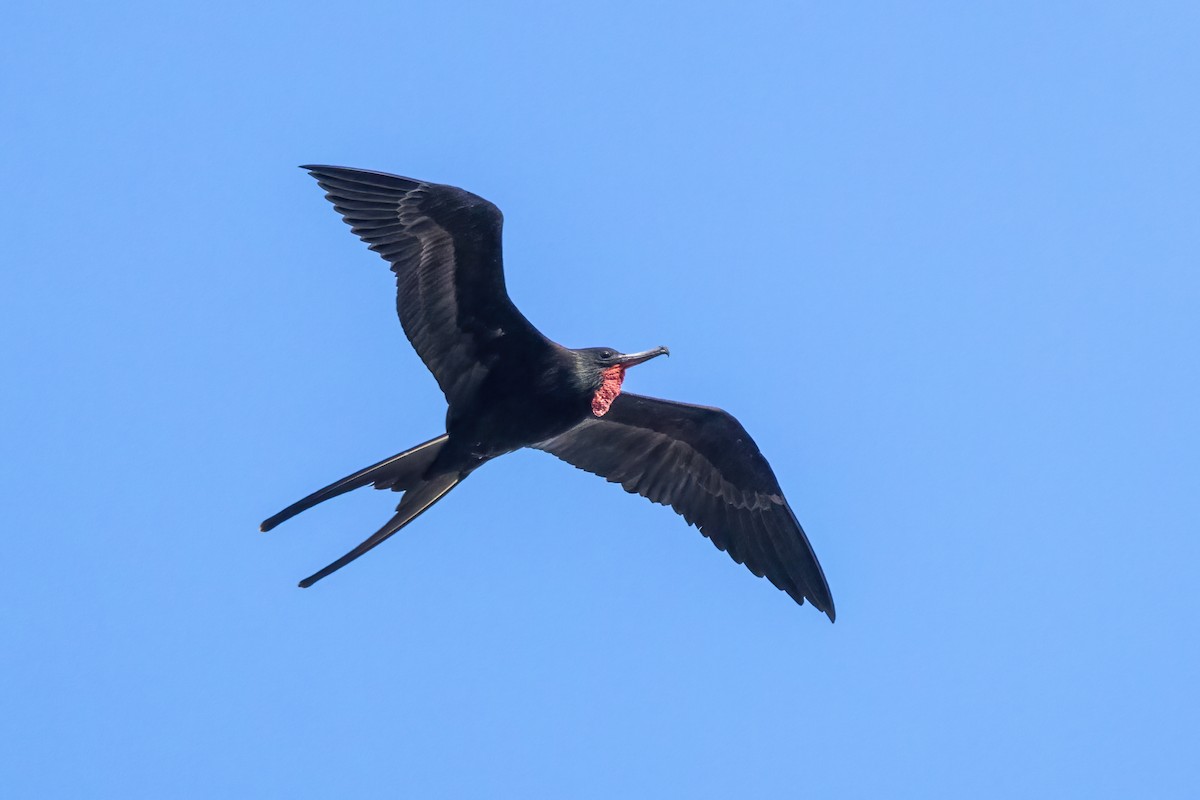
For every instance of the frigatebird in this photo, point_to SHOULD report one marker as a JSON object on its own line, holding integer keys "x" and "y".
{"x": 508, "y": 387}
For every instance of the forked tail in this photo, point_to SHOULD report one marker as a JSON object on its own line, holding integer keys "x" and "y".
{"x": 398, "y": 473}
{"x": 412, "y": 505}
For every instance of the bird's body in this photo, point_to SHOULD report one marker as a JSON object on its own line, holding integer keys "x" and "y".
{"x": 520, "y": 402}
{"x": 508, "y": 387}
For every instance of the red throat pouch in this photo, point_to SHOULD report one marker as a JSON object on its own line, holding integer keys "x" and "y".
{"x": 608, "y": 391}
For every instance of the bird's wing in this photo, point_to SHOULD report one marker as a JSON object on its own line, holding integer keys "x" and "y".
{"x": 702, "y": 463}
{"x": 443, "y": 244}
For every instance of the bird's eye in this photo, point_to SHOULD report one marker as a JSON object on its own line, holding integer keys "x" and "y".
{"x": 607, "y": 354}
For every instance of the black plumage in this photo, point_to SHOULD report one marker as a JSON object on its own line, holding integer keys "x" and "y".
{"x": 701, "y": 462}
{"x": 508, "y": 387}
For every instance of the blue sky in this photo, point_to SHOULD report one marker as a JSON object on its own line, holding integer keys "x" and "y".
{"x": 940, "y": 259}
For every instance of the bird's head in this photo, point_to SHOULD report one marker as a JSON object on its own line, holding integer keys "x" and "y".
{"x": 603, "y": 369}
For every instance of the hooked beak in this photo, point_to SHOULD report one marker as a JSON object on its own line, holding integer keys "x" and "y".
{"x": 633, "y": 359}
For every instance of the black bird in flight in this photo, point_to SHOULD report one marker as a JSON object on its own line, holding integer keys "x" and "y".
{"x": 509, "y": 387}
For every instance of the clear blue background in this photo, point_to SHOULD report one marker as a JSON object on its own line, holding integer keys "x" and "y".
{"x": 940, "y": 259}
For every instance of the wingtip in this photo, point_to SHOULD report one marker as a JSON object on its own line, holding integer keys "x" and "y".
{"x": 825, "y": 608}
{"x": 307, "y": 582}
{"x": 319, "y": 170}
